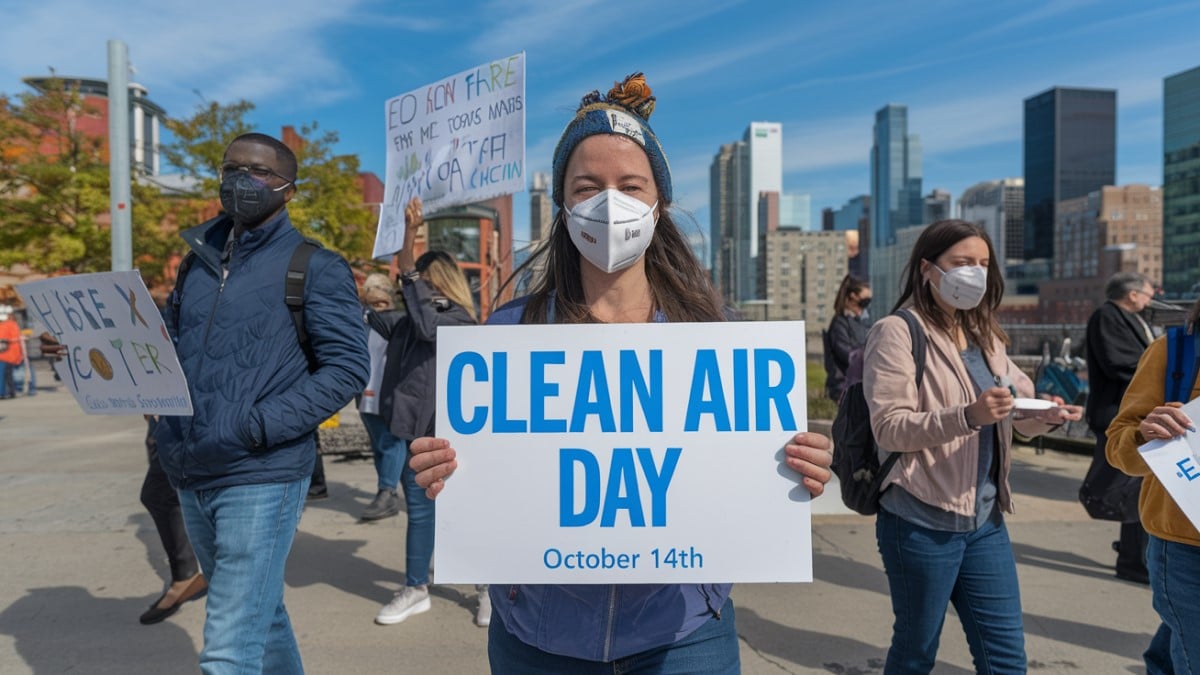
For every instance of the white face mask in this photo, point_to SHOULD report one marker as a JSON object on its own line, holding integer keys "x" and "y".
{"x": 963, "y": 287}
{"x": 611, "y": 229}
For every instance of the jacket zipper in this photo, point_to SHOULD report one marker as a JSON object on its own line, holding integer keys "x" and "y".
{"x": 716, "y": 611}
{"x": 187, "y": 446}
{"x": 612, "y": 622}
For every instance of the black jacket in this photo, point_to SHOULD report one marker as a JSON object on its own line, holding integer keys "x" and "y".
{"x": 844, "y": 335}
{"x": 1115, "y": 342}
{"x": 408, "y": 392}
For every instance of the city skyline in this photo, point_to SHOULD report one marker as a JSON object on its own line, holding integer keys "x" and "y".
{"x": 820, "y": 72}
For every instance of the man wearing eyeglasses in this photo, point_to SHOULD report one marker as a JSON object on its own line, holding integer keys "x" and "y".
{"x": 242, "y": 462}
{"x": 1116, "y": 337}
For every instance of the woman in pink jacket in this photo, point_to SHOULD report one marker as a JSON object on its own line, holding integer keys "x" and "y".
{"x": 940, "y": 527}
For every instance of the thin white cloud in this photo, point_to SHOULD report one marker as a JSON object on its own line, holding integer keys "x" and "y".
{"x": 582, "y": 29}
{"x": 226, "y": 49}
{"x": 983, "y": 115}
{"x": 1041, "y": 12}
{"x": 831, "y": 142}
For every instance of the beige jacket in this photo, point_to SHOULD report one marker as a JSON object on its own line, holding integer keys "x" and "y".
{"x": 940, "y": 463}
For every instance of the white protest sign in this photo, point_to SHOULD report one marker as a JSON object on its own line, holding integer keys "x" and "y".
{"x": 455, "y": 141}
{"x": 120, "y": 360}
{"x": 1176, "y": 464}
{"x": 622, "y": 453}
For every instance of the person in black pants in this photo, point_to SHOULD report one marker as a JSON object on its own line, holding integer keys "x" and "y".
{"x": 161, "y": 500}
{"x": 1116, "y": 337}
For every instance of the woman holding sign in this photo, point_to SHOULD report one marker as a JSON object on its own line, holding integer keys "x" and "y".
{"x": 1149, "y": 413}
{"x": 940, "y": 527}
{"x": 435, "y": 294}
{"x": 615, "y": 255}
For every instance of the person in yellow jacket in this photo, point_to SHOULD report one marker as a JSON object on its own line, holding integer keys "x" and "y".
{"x": 1173, "y": 555}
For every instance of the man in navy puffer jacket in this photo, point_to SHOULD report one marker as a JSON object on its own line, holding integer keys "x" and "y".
{"x": 242, "y": 462}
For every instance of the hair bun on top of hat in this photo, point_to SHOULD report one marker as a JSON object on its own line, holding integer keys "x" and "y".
{"x": 634, "y": 98}
{"x": 633, "y": 94}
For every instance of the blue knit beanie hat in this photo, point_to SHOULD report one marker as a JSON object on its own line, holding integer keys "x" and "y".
{"x": 625, "y": 110}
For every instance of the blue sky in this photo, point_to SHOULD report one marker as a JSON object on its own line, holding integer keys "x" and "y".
{"x": 821, "y": 69}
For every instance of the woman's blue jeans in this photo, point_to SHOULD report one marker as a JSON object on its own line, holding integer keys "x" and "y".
{"x": 418, "y": 540}
{"x": 1175, "y": 582}
{"x": 711, "y": 649}
{"x": 242, "y": 536}
{"x": 390, "y": 452}
{"x": 929, "y": 569}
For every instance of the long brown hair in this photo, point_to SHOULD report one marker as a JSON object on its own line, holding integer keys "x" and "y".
{"x": 979, "y": 323}
{"x": 681, "y": 288}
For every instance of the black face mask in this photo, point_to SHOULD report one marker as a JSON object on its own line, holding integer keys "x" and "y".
{"x": 248, "y": 200}
{"x": 863, "y": 303}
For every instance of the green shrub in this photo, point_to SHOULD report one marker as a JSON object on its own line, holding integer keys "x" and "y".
{"x": 819, "y": 407}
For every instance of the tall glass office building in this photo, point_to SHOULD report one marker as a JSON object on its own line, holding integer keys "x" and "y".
{"x": 727, "y": 202}
{"x": 896, "y": 200}
{"x": 1181, "y": 184}
{"x": 1070, "y": 151}
{"x": 762, "y": 157}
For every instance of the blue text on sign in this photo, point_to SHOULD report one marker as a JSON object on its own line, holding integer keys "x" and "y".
{"x": 761, "y": 381}
{"x": 621, "y": 492}
{"x": 1187, "y": 469}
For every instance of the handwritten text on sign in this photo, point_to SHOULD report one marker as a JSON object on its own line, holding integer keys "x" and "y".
{"x": 455, "y": 141}
{"x": 634, "y": 453}
{"x": 119, "y": 360}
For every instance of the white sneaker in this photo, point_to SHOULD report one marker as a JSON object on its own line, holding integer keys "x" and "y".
{"x": 408, "y": 601}
{"x": 483, "y": 613}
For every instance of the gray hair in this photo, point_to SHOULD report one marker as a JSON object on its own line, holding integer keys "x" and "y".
{"x": 1120, "y": 284}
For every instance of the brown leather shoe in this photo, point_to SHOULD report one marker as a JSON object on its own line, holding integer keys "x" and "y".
{"x": 169, "y": 602}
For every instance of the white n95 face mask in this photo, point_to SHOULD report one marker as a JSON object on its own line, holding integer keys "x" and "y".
{"x": 963, "y": 287}
{"x": 611, "y": 229}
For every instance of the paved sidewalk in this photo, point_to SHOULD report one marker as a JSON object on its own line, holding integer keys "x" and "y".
{"x": 81, "y": 561}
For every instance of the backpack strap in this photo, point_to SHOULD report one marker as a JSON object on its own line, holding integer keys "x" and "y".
{"x": 918, "y": 342}
{"x": 176, "y": 298}
{"x": 1182, "y": 356}
{"x": 293, "y": 295}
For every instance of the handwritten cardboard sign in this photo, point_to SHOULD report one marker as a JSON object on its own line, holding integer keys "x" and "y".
{"x": 455, "y": 141}
{"x": 120, "y": 360}
{"x": 622, "y": 453}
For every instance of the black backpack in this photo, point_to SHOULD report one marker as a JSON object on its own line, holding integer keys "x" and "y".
{"x": 293, "y": 292}
{"x": 855, "y": 459}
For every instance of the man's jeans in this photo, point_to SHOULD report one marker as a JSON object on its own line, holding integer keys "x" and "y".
{"x": 390, "y": 453}
{"x": 242, "y": 536}
{"x": 929, "y": 569}
{"x": 1175, "y": 583}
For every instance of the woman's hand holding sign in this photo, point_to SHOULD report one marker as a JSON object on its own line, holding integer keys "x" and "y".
{"x": 811, "y": 455}
{"x": 1164, "y": 422}
{"x": 434, "y": 460}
